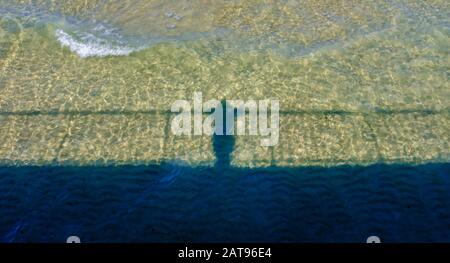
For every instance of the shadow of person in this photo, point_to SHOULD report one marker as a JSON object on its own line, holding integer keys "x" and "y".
{"x": 223, "y": 145}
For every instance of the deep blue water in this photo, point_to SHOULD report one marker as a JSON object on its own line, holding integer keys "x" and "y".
{"x": 172, "y": 203}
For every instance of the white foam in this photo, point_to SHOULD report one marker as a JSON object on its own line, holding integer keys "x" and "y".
{"x": 92, "y": 46}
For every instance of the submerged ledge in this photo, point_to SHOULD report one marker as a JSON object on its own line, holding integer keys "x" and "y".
{"x": 306, "y": 139}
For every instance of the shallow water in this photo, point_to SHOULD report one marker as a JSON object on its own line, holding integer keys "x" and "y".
{"x": 85, "y": 94}
{"x": 116, "y": 60}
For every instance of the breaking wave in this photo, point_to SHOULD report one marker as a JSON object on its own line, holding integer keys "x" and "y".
{"x": 92, "y": 46}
